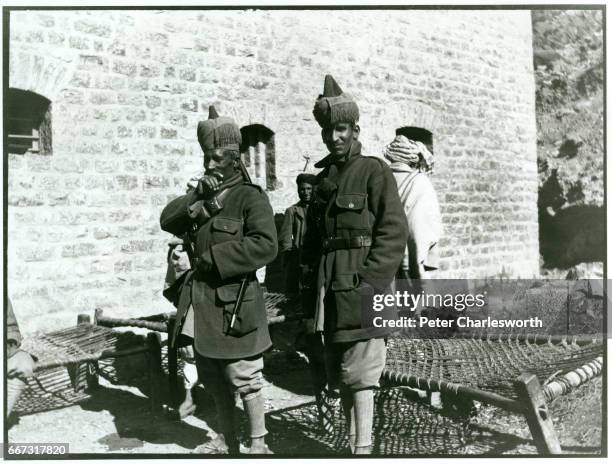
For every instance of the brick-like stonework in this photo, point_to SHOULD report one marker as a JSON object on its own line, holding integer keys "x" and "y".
{"x": 128, "y": 88}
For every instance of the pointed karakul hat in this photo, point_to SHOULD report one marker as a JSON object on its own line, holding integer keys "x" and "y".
{"x": 334, "y": 105}
{"x": 218, "y": 132}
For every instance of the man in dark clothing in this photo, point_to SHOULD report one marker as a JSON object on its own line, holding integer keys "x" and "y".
{"x": 357, "y": 225}
{"x": 230, "y": 229}
{"x": 292, "y": 233}
{"x": 291, "y": 240}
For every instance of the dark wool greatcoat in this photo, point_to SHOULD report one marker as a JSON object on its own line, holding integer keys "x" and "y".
{"x": 240, "y": 239}
{"x": 360, "y": 199}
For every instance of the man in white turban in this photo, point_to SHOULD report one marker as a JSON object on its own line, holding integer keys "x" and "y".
{"x": 411, "y": 159}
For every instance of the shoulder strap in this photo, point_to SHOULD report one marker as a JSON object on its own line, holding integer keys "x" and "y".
{"x": 404, "y": 187}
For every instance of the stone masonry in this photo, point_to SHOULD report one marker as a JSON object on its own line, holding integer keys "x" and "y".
{"x": 127, "y": 89}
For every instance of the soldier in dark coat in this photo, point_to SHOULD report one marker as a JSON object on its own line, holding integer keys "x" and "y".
{"x": 357, "y": 225}
{"x": 230, "y": 229}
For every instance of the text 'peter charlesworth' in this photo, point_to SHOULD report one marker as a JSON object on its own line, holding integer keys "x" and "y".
{"x": 460, "y": 322}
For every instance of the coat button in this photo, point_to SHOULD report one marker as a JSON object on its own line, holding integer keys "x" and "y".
{"x": 350, "y": 205}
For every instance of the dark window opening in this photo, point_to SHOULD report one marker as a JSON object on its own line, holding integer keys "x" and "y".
{"x": 258, "y": 155}
{"x": 417, "y": 133}
{"x": 28, "y": 123}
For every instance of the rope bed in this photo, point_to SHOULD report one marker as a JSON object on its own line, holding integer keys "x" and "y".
{"x": 83, "y": 343}
{"x": 65, "y": 363}
{"x": 490, "y": 364}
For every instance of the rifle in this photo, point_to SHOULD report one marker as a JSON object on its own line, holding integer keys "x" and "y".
{"x": 241, "y": 291}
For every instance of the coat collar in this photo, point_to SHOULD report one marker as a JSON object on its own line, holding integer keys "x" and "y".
{"x": 299, "y": 211}
{"x": 355, "y": 150}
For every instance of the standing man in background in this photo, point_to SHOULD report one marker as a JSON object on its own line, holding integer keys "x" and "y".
{"x": 292, "y": 233}
{"x": 356, "y": 235}
{"x": 411, "y": 159}
{"x": 291, "y": 241}
{"x": 229, "y": 225}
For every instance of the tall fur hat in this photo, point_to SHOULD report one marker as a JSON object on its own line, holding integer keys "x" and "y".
{"x": 334, "y": 105}
{"x": 218, "y": 132}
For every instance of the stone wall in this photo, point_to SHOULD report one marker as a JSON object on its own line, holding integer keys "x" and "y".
{"x": 127, "y": 89}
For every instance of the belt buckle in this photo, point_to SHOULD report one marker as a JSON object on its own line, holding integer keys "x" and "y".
{"x": 326, "y": 243}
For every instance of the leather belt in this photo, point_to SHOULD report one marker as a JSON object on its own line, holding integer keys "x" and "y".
{"x": 332, "y": 243}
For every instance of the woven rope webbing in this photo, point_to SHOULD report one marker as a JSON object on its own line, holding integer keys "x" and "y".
{"x": 490, "y": 365}
{"x": 53, "y": 386}
{"x": 74, "y": 344}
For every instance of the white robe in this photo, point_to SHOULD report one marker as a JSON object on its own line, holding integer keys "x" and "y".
{"x": 423, "y": 214}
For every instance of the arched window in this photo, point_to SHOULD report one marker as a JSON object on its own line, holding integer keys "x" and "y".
{"x": 28, "y": 123}
{"x": 258, "y": 155}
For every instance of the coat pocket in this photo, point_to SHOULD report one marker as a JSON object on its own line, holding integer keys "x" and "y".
{"x": 247, "y": 318}
{"x": 224, "y": 229}
{"x": 351, "y": 212}
{"x": 348, "y": 299}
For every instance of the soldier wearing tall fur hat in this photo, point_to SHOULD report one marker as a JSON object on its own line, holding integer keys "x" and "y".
{"x": 229, "y": 228}
{"x": 355, "y": 240}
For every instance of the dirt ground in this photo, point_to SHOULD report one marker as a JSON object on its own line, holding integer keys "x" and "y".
{"x": 116, "y": 418}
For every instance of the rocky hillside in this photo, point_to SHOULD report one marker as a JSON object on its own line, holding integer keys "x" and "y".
{"x": 568, "y": 59}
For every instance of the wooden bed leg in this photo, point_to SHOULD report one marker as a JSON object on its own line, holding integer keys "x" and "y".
{"x": 537, "y": 414}
{"x": 154, "y": 359}
{"x": 97, "y": 315}
{"x": 79, "y": 372}
{"x": 93, "y": 369}
{"x": 172, "y": 364}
